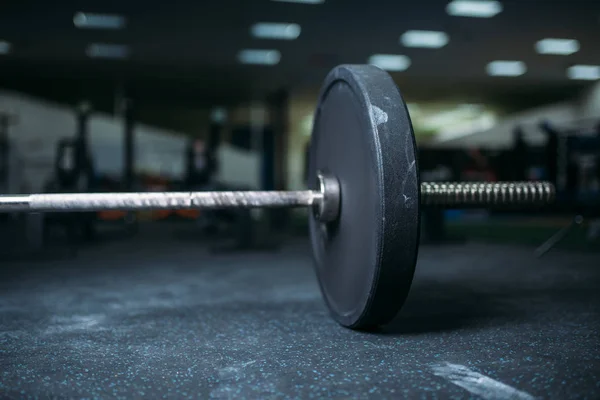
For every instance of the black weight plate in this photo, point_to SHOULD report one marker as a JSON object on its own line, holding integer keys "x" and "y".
{"x": 363, "y": 136}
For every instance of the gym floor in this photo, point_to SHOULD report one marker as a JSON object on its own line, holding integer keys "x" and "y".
{"x": 158, "y": 316}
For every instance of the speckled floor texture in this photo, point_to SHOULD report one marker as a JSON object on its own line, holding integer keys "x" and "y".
{"x": 159, "y": 317}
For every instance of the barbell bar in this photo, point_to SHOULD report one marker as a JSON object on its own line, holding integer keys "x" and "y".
{"x": 325, "y": 201}
{"x": 366, "y": 197}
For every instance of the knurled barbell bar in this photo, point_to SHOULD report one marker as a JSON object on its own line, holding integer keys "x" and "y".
{"x": 366, "y": 197}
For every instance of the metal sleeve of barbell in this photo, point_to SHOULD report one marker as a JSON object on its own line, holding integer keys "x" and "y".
{"x": 486, "y": 194}
{"x": 81, "y": 202}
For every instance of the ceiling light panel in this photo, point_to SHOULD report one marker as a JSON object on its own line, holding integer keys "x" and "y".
{"x": 425, "y": 39}
{"x": 474, "y": 8}
{"x": 584, "y": 72}
{"x": 506, "y": 68}
{"x": 4, "y": 47}
{"x": 85, "y": 20}
{"x": 259, "y": 57}
{"x": 218, "y": 115}
{"x": 104, "y": 50}
{"x": 563, "y": 47}
{"x": 390, "y": 62}
{"x": 274, "y": 30}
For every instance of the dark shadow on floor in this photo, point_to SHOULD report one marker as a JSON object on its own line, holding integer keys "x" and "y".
{"x": 437, "y": 306}
{"x": 443, "y": 306}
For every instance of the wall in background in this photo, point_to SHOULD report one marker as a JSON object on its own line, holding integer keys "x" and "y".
{"x": 302, "y": 108}
{"x": 39, "y": 126}
{"x": 501, "y": 134}
{"x": 157, "y": 151}
{"x": 585, "y": 108}
{"x": 106, "y": 144}
{"x": 160, "y": 147}
{"x": 238, "y": 168}
{"x": 590, "y": 102}
{"x": 42, "y": 124}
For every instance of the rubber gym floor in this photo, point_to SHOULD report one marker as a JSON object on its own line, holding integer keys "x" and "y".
{"x": 157, "y": 316}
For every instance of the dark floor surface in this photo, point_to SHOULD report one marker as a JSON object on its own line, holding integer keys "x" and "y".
{"x": 156, "y": 317}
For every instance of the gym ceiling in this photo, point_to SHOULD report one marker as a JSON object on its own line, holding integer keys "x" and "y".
{"x": 187, "y": 52}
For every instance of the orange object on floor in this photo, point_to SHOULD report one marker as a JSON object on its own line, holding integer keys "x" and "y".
{"x": 161, "y": 214}
{"x": 190, "y": 214}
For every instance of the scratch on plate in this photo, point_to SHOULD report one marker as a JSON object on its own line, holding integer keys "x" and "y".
{"x": 381, "y": 116}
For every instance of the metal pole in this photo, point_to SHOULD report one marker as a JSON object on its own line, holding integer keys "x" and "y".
{"x": 449, "y": 195}
{"x": 72, "y": 202}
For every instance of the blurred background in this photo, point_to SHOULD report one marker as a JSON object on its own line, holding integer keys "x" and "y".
{"x": 106, "y": 96}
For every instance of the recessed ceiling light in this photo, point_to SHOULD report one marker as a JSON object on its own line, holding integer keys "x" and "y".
{"x": 390, "y": 62}
{"x": 104, "y": 50}
{"x": 563, "y": 47}
{"x": 584, "y": 72}
{"x": 302, "y": 1}
{"x": 98, "y": 21}
{"x": 261, "y": 57}
{"x": 474, "y": 8}
{"x": 273, "y": 30}
{"x": 4, "y": 47}
{"x": 427, "y": 39}
{"x": 506, "y": 68}
{"x": 218, "y": 115}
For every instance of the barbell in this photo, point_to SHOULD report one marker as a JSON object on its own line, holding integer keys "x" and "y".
{"x": 365, "y": 198}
